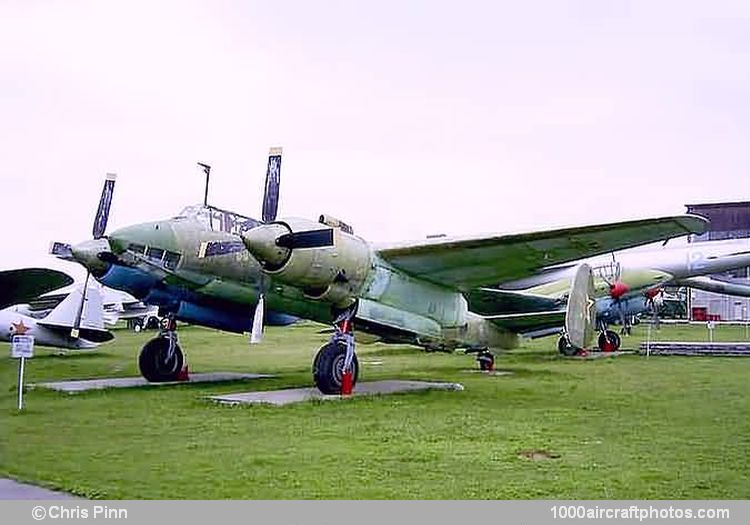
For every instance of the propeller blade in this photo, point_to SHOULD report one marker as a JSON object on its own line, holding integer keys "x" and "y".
{"x": 256, "y": 335}
{"x": 61, "y": 250}
{"x": 273, "y": 180}
{"x": 212, "y": 248}
{"x": 105, "y": 201}
{"x": 75, "y": 332}
{"x": 307, "y": 239}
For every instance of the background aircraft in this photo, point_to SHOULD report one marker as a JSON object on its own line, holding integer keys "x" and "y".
{"x": 118, "y": 306}
{"x": 54, "y": 328}
{"x": 629, "y": 283}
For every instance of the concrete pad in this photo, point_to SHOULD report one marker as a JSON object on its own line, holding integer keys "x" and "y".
{"x": 83, "y": 385}
{"x": 297, "y": 395}
{"x": 492, "y": 373}
{"x": 598, "y": 355}
{"x": 10, "y": 489}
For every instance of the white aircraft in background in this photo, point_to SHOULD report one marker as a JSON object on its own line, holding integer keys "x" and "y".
{"x": 117, "y": 306}
{"x": 77, "y": 322}
{"x": 626, "y": 283}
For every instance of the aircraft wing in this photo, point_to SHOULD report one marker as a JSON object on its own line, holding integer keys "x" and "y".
{"x": 473, "y": 262}
{"x": 25, "y": 284}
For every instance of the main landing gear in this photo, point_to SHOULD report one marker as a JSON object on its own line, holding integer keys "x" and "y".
{"x": 486, "y": 361}
{"x": 336, "y": 368}
{"x": 609, "y": 341}
{"x": 565, "y": 347}
{"x": 161, "y": 359}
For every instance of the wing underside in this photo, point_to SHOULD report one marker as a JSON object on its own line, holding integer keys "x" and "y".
{"x": 532, "y": 324}
{"x": 23, "y": 285}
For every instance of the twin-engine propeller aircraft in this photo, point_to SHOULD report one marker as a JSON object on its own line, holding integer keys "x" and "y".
{"x": 423, "y": 292}
{"x": 627, "y": 284}
{"x": 220, "y": 269}
{"x": 85, "y": 315}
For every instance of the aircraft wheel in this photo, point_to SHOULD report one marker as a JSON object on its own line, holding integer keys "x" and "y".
{"x": 609, "y": 341}
{"x": 564, "y": 346}
{"x": 328, "y": 368}
{"x": 486, "y": 361}
{"x": 153, "y": 362}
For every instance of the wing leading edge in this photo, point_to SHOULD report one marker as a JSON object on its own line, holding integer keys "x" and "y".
{"x": 468, "y": 263}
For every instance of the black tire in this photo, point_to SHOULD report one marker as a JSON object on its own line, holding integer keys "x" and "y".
{"x": 564, "y": 346}
{"x": 486, "y": 361}
{"x": 328, "y": 365}
{"x": 614, "y": 339}
{"x": 152, "y": 323}
{"x": 153, "y": 364}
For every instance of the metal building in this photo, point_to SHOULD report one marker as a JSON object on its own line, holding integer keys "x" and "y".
{"x": 729, "y": 220}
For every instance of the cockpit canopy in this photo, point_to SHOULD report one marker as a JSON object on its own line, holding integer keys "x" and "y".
{"x": 218, "y": 220}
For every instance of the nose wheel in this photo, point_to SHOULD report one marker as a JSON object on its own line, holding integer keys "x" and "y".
{"x": 161, "y": 359}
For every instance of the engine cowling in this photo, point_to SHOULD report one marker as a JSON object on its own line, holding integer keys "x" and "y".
{"x": 327, "y": 263}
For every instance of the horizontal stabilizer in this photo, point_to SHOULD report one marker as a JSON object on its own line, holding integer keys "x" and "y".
{"x": 489, "y": 301}
{"x": 531, "y": 323}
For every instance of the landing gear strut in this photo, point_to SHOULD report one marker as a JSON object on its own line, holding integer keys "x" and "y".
{"x": 161, "y": 359}
{"x": 336, "y": 368}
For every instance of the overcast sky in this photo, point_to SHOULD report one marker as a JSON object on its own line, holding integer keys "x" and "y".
{"x": 402, "y": 118}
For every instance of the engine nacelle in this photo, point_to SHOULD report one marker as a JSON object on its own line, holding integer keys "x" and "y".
{"x": 328, "y": 264}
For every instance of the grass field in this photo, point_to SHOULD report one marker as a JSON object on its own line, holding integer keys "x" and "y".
{"x": 624, "y": 427}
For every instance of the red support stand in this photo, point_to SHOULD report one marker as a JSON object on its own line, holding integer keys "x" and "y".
{"x": 346, "y": 383}
{"x": 184, "y": 374}
{"x": 347, "y": 380}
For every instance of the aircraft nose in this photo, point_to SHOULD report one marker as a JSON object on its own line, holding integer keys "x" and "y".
{"x": 88, "y": 254}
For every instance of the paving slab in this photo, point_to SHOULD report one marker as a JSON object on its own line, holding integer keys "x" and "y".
{"x": 82, "y": 385}
{"x": 297, "y": 395}
{"x": 10, "y": 489}
{"x": 598, "y": 355}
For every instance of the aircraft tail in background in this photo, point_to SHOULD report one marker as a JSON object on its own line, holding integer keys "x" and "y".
{"x": 64, "y": 315}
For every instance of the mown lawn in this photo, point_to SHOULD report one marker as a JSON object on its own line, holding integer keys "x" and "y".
{"x": 624, "y": 427}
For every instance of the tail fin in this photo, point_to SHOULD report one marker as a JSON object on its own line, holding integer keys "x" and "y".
{"x": 580, "y": 314}
{"x": 92, "y": 317}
